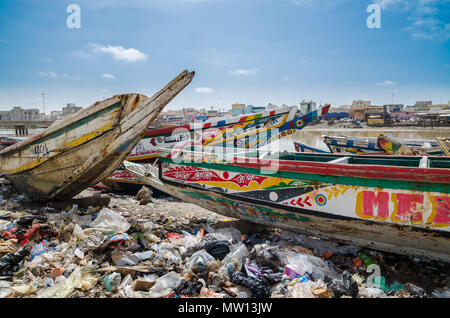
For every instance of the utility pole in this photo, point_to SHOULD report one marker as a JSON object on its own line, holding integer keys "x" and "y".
{"x": 43, "y": 103}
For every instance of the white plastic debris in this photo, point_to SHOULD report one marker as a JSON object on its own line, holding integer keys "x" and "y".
{"x": 108, "y": 219}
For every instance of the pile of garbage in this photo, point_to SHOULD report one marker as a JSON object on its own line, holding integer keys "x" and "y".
{"x": 98, "y": 252}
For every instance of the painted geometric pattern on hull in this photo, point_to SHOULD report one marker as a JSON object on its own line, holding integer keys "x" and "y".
{"x": 396, "y": 206}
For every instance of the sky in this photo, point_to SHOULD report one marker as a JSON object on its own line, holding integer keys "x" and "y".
{"x": 243, "y": 51}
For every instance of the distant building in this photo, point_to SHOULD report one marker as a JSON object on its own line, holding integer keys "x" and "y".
{"x": 361, "y": 103}
{"x": 55, "y": 115}
{"x": 423, "y": 104}
{"x": 238, "y": 109}
{"x": 394, "y": 107}
{"x": 70, "y": 109}
{"x": 342, "y": 108}
{"x": 20, "y": 114}
{"x": 307, "y": 107}
{"x": 402, "y": 115}
{"x": 361, "y": 113}
{"x": 212, "y": 113}
{"x": 439, "y": 106}
{"x": 255, "y": 109}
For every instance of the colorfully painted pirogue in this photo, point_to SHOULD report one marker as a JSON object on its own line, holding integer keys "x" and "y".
{"x": 396, "y": 204}
{"x": 249, "y": 131}
{"x": 85, "y": 148}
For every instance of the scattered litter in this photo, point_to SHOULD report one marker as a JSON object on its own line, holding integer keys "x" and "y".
{"x": 162, "y": 250}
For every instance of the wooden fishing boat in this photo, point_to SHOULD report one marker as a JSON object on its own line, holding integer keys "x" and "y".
{"x": 396, "y": 146}
{"x": 7, "y": 141}
{"x": 238, "y": 131}
{"x": 397, "y": 204}
{"x": 249, "y": 132}
{"x": 301, "y": 147}
{"x": 382, "y": 144}
{"x": 84, "y": 148}
{"x": 444, "y": 144}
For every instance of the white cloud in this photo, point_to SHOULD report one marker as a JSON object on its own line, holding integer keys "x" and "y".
{"x": 384, "y": 4}
{"x": 206, "y": 90}
{"x": 243, "y": 72}
{"x": 48, "y": 74}
{"x": 51, "y": 74}
{"x": 426, "y": 16}
{"x": 49, "y": 60}
{"x": 286, "y": 78}
{"x": 108, "y": 76}
{"x": 120, "y": 53}
{"x": 387, "y": 83}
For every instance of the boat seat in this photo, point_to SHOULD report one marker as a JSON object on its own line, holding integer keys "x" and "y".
{"x": 424, "y": 162}
{"x": 340, "y": 160}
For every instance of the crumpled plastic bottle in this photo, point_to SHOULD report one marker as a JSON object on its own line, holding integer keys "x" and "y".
{"x": 233, "y": 261}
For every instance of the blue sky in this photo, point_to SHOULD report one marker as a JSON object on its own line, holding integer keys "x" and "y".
{"x": 247, "y": 51}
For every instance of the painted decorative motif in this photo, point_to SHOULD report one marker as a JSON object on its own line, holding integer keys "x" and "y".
{"x": 423, "y": 209}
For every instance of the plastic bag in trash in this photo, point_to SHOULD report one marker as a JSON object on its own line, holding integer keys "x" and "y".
{"x": 166, "y": 254}
{"x": 190, "y": 240}
{"x": 38, "y": 249}
{"x": 112, "y": 281}
{"x": 415, "y": 291}
{"x": 10, "y": 262}
{"x": 258, "y": 286}
{"x": 370, "y": 292}
{"x": 308, "y": 289}
{"x": 303, "y": 263}
{"x": 230, "y": 234}
{"x": 83, "y": 278}
{"x": 108, "y": 219}
{"x": 266, "y": 256}
{"x": 344, "y": 286}
{"x": 199, "y": 260}
{"x": 165, "y": 284}
{"x": 188, "y": 288}
{"x": 218, "y": 249}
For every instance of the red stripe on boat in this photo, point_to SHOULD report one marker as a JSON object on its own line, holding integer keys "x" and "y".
{"x": 163, "y": 131}
{"x": 358, "y": 171}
